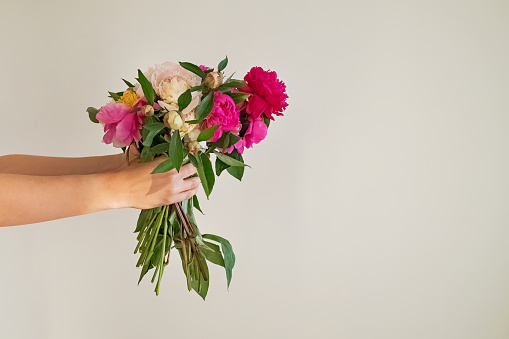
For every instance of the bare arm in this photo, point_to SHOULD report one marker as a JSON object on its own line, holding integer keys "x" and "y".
{"x": 43, "y": 165}
{"x": 26, "y": 199}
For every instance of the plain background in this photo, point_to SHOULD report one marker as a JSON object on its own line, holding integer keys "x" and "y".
{"x": 377, "y": 207}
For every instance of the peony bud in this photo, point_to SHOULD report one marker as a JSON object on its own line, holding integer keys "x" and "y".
{"x": 194, "y": 147}
{"x": 213, "y": 79}
{"x": 148, "y": 111}
{"x": 173, "y": 120}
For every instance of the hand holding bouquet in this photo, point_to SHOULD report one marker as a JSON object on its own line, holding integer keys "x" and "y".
{"x": 185, "y": 113}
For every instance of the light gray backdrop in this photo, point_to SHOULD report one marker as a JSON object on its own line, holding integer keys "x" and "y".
{"x": 375, "y": 208}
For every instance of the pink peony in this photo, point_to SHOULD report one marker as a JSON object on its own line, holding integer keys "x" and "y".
{"x": 256, "y": 132}
{"x": 204, "y": 68}
{"x": 268, "y": 93}
{"x": 121, "y": 124}
{"x": 223, "y": 114}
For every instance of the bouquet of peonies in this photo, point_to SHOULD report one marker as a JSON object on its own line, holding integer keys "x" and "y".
{"x": 186, "y": 113}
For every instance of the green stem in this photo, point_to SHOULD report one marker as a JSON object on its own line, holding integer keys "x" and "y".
{"x": 163, "y": 249}
{"x": 147, "y": 255}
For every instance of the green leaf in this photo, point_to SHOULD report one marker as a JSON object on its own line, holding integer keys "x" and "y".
{"x": 153, "y": 129}
{"x": 193, "y": 68}
{"x": 230, "y": 140}
{"x": 208, "y": 133}
{"x": 184, "y": 100}
{"x": 196, "y": 204}
{"x": 192, "y": 121}
{"x": 205, "y": 171}
{"x": 239, "y": 97}
{"x": 163, "y": 167}
{"x": 237, "y": 171}
{"x": 205, "y": 107}
{"x": 209, "y": 172}
{"x": 222, "y": 64}
{"x": 160, "y": 148}
{"x": 147, "y": 88}
{"x": 233, "y": 83}
{"x": 266, "y": 120}
{"x": 92, "y": 112}
{"x": 145, "y": 155}
{"x": 142, "y": 219}
{"x": 154, "y": 126}
{"x": 212, "y": 253}
{"x": 220, "y": 167}
{"x": 114, "y": 96}
{"x": 127, "y": 83}
{"x": 144, "y": 270}
{"x": 229, "y": 160}
{"x": 229, "y": 256}
{"x": 176, "y": 150}
{"x": 226, "y": 140}
{"x": 196, "y": 88}
{"x": 200, "y": 285}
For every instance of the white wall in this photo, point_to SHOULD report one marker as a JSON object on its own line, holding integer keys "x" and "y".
{"x": 376, "y": 208}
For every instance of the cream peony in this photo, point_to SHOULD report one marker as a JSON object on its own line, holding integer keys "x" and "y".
{"x": 170, "y": 80}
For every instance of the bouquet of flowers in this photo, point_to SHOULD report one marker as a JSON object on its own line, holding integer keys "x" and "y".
{"x": 186, "y": 113}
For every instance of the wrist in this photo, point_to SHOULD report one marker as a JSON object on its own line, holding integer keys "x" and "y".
{"x": 109, "y": 190}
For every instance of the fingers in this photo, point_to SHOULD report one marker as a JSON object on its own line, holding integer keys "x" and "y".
{"x": 187, "y": 170}
{"x": 186, "y": 194}
{"x": 191, "y": 183}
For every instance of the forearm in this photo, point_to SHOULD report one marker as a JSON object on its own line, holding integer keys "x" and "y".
{"x": 28, "y": 199}
{"x": 42, "y": 165}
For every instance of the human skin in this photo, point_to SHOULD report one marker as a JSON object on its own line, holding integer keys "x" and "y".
{"x": 37, "y": 189}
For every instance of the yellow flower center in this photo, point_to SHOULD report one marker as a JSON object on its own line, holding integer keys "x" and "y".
{"x": 129, "y": 98}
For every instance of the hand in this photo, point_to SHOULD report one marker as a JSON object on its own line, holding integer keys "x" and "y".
{"x": 134, "y": 186}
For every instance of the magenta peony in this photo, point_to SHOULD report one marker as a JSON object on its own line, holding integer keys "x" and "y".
{"x": 256, "y": 132}
{"x": 121, "y": 124}
{"x": 268, "y": 93}
{"x": 224, "y": 114}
